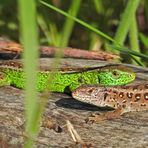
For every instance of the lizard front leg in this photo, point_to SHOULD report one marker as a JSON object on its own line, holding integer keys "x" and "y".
{"x": 95, "y": 118}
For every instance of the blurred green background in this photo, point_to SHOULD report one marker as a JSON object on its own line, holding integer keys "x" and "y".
{"x": 58, "y": 30}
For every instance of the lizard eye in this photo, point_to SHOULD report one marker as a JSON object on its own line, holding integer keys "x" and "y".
{"x": 115, "y": 74}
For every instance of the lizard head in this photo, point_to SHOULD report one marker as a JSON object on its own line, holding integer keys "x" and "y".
{"x": 116, "y": 76}
{"x": 92, "y": 94}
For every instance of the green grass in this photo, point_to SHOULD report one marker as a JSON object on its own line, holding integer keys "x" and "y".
{"x": 103, "y": 22}
{"x": 29, "y": 39}
{"x": 79, "y": 21}
{"x": 133, "y": 38}
{"x": 126, "y": 21}
{"x": 61, "y": 38}
{"x": 127, "y": 51}
{"x": 126, "y": 25}
{"x": 69, "y": 24}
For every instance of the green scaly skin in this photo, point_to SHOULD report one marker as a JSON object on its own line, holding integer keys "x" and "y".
{"x": 108, "y": 76}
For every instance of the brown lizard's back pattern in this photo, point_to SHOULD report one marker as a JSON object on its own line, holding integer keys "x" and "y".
{"x": 130, "y": 98}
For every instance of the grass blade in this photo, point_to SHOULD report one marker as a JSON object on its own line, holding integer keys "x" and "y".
{"x": 128, "y": 51}
{"x": 79, "y": 21}
{"x": 125, "y": 22}
{"x": 133, "y": 37}
{"x": 29, "y": 36}
{"x": 69, "y": 24}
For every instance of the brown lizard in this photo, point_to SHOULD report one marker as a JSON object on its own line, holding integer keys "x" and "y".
{"x": 122, "y": 98}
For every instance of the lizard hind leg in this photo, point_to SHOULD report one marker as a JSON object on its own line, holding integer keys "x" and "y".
{"x": 4, "y": 80}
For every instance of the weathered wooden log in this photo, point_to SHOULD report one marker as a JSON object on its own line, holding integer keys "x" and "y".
{"x": 131, "y": 130}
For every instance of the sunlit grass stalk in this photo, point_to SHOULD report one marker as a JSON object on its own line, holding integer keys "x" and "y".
{"x": 29, "y": 38}
{"x": 126, "y": 20}
{"x": 133, "y": 35}
{"x": 144, "y": 40}
{"x": 126, "y": 23}
{"x": 133, "y": 38}
{"x": 69, "y": 24}
{"x": 99, "y": 6}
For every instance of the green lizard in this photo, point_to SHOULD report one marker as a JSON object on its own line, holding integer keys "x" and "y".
{"x": 11, "y": 73}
